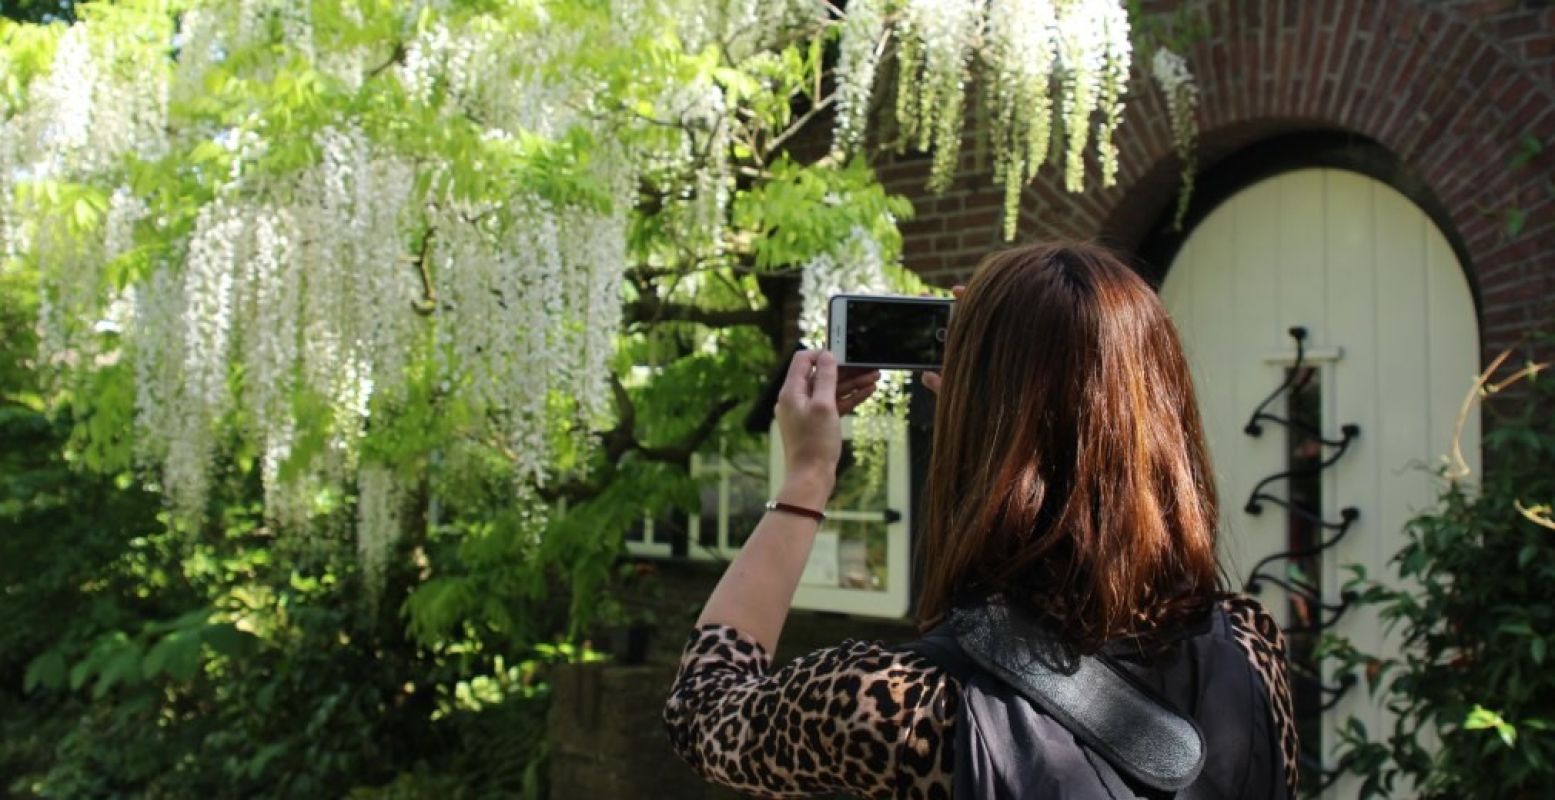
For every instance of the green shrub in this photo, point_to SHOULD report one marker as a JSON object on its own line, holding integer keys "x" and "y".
{"x": 139, "y": 661}
{"x": 1477, "y": 619}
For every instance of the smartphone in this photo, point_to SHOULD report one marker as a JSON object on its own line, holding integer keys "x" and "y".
{"x": 888, "y": 331}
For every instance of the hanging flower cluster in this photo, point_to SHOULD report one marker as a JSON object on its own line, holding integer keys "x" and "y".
{"x": 1182, "y": 102}
{"x": 857, "y": 265}
{"x": 364, "y": 243}
{"x": 1048, "y": 68}
{"x": 742, "y": 28}
{"x": 320, "y": 288}
{"x": 863, "y": 42}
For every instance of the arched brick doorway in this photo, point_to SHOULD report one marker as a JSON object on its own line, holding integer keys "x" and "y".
{"x": 1453, "y": 89}
{"x": 1441, "y": 97}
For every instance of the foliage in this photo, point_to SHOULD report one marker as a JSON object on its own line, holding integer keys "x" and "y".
{"x": 37, "y": 10}
{"x": 1474, "y": 606}
{"x": 1167, "y": 36}
{"x": 138, "y": 660}
{"x": 421, "y": 282}
{"x": 343, "y": 340}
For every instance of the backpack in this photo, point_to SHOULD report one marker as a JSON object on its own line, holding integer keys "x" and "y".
{"x": 1037, "y": 722}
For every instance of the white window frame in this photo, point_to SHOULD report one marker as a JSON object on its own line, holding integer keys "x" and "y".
{"x": 721, "y": 550}
{"x": 892, "y": 602}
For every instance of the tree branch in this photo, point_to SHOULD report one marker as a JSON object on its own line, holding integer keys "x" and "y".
{"x": 680, "y": 452}
{"x": 648, "y": 309}
{"x": 622, "y": 439}
{"x": 396, "y": 58}
{"x": 799, "y": 124}
{"x": 428, "y": 302}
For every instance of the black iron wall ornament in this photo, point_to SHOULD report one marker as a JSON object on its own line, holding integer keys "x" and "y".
{"x": 1316, "y": 535}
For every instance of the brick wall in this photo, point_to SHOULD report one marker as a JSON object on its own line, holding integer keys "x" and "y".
{"x": 1450, "y": 87}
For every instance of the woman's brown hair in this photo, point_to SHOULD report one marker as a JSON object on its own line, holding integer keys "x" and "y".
{"x": 1069, "y": 474}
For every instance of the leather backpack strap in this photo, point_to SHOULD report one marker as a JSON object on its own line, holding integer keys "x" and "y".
{"x": 1095, "y": 699}
{"x": 940, "y": 647}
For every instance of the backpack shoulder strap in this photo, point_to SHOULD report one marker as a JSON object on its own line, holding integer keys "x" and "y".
{"x": 940, "y": 647}
{"x": 1092, "y": 697}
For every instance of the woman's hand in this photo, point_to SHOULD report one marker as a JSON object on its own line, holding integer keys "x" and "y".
{"x": 809, "y": 419}
{"x": 931, "y": 379}
{"x": 854, "y": 386}
{"x": 756, "y": 590}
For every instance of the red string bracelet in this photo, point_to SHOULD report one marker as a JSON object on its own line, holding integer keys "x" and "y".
{"x": 774, "y": 505}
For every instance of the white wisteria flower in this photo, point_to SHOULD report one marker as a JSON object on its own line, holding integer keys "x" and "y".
{"x": 310, "y": 233}
{"x": 1048, "y": 68}
{"x": 1175, "y": 80}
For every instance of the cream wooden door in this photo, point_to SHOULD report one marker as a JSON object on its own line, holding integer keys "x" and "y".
{"x": 1392, "y": 336}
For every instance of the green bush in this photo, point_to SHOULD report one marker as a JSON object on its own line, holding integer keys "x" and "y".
{"x": 1476, "y": 623}
{"x": 137, "y": 660}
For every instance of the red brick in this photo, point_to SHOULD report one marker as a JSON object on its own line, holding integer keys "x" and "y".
{"x": 1139, "y": 141}
{"x": 1231, "y": 21}
{"x": 1304, "y": 57}
{"x": 1285, "y": 61}
{"x": 1322, "y": 39}
{"x": 1347, "y": 82}
{"x": 1481, "y": 65}
{"x": 1159, "y": 128}
{"x": 1414, "y": 69}
{"x": 1131, "y": 148}
{"x": 925, "y": 224}
{"x": 1502, "y": 271}
{"x": 1530, "y": 110}
{"x": 1343, "y": 52}
{"x": 1393, "y": 51}
{"x": 1516, "y": 26}
{"x": 1485, "y": 8}
{"x": 1440, "y": 115}
{"x": 1539, "y": 47}
{"x": 979, "y": 201}
{"x": 1444, "y": 94}
{"x": 1260, "y": 71}
{"x": 972, "y": 220}
{"x": 1210, "y": 64}
{"x": 945, "y": 204}
{"x": 1510, "y": 249}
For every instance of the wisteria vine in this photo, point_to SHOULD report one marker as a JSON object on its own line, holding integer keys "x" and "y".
{"x": 309, "y": 227}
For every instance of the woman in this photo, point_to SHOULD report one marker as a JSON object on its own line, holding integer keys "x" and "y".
{"x": 1070, "y": 490}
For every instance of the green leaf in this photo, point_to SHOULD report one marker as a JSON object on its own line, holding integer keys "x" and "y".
{"x": 1536, "y": 650}
{"x": 263, "y": 757}
{"x": 1481, "y": 718}
{"x": 80, "y": 672}
{"x": 47, "y": 670}
{"x": 1529, "y": 148}
{"x": 1518, "y": 628}
{"x": 225, "y": 639}
{"x": 183, "y": 661}
{"x": 1516, "y": 220}
{"x": 176, "y": 655}
{"x": 123, "y": 667}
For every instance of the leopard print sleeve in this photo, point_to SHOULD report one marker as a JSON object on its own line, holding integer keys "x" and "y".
{"x": 859, "y": 718}
{"x": 1262, "y": 640}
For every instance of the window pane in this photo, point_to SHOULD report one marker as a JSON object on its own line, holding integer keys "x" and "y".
{"x": 748, "y": 489}
{"x": 1304, "y": 456}
{"x": 848, "y": 554}
{"x": 858, "y": 488}
{"x": 707, "y": 514}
